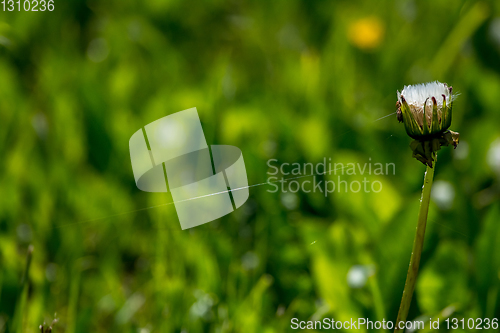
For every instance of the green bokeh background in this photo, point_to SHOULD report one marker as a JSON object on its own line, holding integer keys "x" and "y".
{"x": 287, "y": 79}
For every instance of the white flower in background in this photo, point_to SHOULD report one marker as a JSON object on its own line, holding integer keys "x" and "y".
{"x": 443, "y": 194}
{"x": 358, "y": 275}
{"x": 494, "y": 156}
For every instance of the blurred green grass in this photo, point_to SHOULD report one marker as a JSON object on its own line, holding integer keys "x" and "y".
{"x": 292, "y": 80}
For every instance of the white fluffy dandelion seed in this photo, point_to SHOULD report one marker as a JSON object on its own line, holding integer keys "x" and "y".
{"x": 431, "y": 100}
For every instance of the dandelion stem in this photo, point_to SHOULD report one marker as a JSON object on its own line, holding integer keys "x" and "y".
{"x": 418, "y": 243}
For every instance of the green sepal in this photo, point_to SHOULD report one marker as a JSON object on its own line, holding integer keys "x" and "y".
{"x": 448, "y": 112}
{"x": 435, "y": 127}
{"x": 444, "y": 114}
{"x": 425, "y": 128}
{"x": 411, "y": 125}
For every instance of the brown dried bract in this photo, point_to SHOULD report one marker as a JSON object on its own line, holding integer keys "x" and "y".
{"x": 399, "y": 114}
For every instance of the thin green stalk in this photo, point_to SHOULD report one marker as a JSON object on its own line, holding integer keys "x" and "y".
{"x": 418, "y": 243}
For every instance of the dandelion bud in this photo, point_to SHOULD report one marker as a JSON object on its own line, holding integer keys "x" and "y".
{"x": 425, "y": 109}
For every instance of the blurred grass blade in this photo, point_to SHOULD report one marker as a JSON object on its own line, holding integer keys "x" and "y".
{"x": 19, "y": 314}
{"x": 464, "y": 29}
